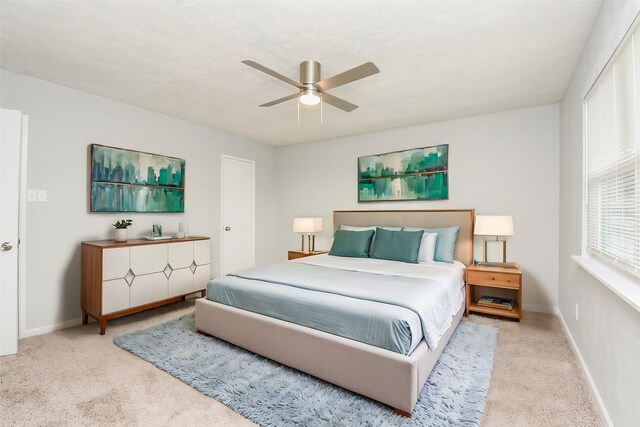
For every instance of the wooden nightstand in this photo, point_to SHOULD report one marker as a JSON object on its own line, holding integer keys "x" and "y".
{"x": 494, "y": 277}
{"x": 302, "y": 254}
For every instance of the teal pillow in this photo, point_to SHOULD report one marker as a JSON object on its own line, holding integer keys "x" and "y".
{"x": 351, "y": 243}
{"x": 372, "y": 227}
{"x": 445, "y": 243}
{"x": 397, "y": 245}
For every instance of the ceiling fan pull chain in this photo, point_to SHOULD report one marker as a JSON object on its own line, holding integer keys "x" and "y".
{"x": 298, "y": 104}
{"x": 321, "y": 103}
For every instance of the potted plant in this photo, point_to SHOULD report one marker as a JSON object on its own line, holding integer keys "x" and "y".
{"x": 121, "y": 230}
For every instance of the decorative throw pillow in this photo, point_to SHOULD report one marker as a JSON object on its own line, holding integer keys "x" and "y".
{"x": 401, "y": 246}
{"x": 445, "y": 243}
{"x": 372, "y": 227}
{"x": 351, "y": 243}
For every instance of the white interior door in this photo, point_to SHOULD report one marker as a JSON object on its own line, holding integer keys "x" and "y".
{"x": 11, "y": 136}
{"x": 238, "y": 214}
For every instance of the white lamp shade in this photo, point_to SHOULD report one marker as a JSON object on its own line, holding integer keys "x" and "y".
{"x": 494, "y": 225}
{"x": 307, "y": 225}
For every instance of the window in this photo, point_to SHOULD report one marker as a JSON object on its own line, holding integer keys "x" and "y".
{"x": 612, "y": 135}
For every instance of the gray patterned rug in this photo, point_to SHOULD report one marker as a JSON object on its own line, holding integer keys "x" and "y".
{"x": 271, "y": 394}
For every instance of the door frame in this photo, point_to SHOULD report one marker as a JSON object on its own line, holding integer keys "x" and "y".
{"x": 253, "y": 214}
{"x": 22, "y": 231}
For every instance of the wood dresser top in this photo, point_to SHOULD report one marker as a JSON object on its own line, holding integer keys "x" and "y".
{"x": 140, "y": 242}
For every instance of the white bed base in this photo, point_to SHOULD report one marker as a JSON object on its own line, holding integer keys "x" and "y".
{"x": 382, "y": 375}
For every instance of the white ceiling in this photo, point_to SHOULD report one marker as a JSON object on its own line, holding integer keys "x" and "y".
{"x": 438, "y": 59}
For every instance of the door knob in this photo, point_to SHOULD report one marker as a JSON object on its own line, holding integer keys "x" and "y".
{"x": 6, "y": 246}
{"x": 227, "y": 228}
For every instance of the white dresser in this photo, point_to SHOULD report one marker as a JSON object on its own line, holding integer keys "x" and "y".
{"x": 124, "y": 278}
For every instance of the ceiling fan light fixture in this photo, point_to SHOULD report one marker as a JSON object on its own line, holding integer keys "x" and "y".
{"x": 309, "y": 97}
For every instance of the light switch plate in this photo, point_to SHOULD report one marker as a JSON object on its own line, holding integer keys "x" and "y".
{"x": 32, "y": 195}
{"x": 42, "y": 195}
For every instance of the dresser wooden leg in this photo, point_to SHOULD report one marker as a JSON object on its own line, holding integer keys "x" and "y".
{"x": 103, "y": 326}
{"x": 85, "y": 318}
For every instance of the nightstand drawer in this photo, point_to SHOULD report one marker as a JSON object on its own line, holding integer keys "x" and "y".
{"x": 489, "y": 278}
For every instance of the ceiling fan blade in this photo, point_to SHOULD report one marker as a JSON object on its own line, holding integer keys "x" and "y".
{"x": 278, "y": 101}
{"x": 360, "y": 72}
{"x": 272, "y": 73}
{"x": 338, "y": 102}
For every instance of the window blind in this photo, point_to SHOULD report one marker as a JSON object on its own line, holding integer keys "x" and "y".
{"x": 612, "y": 117}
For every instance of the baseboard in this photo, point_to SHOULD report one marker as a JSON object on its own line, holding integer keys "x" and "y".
{"x": 69, "y": 324}
{"x": 585, "y": 371}
{"x": 548, "y": 309}
{"x": 50, "y": 328}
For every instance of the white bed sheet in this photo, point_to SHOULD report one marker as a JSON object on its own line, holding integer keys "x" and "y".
{"x": 450, "y": 275}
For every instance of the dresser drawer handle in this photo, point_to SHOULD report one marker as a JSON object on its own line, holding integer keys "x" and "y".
{"x": 493, "y": 278}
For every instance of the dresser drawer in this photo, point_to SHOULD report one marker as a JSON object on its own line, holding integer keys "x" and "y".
{"x": 115, "y": 296}
{"x": 148, "y": 259}
{"x": 115, "y": 263}
{"x": 488, "y": 278}
{"x": 201, "y": 276}
{"x": 148, "y": 288}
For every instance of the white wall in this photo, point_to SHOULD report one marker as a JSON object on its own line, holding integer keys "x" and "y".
{"x": 502, "y": 163}
{"x": 608, "y": 333}
{"x": 62, "y": 123}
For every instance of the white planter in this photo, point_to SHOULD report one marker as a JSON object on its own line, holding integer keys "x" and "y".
{"x": 121, "y": 235}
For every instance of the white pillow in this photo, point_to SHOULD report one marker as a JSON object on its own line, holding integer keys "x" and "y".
{"x": 427, "y": 247}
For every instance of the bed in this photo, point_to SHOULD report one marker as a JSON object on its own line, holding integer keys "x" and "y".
{"x": 332, "y": 334}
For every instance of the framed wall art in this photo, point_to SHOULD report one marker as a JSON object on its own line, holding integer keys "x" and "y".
{"x": 133, "y": 181}
{"x": 415, "y": 174}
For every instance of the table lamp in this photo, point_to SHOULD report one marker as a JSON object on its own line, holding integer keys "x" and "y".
{"x": 308, "y": 226}
{"x": 498, "y": 226}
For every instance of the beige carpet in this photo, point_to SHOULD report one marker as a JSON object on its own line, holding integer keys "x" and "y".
{"x": 76, "y": 377}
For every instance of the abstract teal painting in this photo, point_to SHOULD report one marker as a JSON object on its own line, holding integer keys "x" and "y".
{"x": 416, "y": 174}
{"x": 133, "y": 181}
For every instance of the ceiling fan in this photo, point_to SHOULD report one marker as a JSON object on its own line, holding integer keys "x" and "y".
{"x": 311, "y": 88}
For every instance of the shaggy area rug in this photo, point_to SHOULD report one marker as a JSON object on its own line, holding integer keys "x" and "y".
{"x": 271, "y": 394}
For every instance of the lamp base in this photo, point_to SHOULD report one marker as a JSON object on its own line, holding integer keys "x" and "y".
{"x": 502, "y": 243}
{"x": 311, "y": 243}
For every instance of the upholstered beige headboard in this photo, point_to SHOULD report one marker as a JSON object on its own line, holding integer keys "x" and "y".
{"x": 419, "y": 218}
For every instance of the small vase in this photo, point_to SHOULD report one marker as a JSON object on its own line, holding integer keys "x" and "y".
{"x": 121, "y": 235}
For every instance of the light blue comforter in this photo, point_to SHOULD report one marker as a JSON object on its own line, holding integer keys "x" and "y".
{"x": 381, "y": 310}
